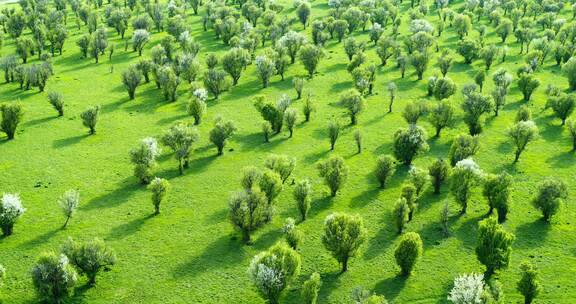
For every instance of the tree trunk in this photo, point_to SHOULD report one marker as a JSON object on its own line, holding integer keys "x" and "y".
{"x": 344, "y": 265}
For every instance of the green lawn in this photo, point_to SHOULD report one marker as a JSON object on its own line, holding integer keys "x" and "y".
{"x": 191, "y": 254}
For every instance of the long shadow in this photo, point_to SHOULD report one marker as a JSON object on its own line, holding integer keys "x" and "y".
{"x": 391, "y": 287}
{"x": 330, "y": 282}
{"x": 113, "y": 198}
{"x": 220, "y": 254}
{"x": 467, "y": 230}
{"x": 65, "y": 142}
{"x": 319, "y": 205}
{"x": 200, "y": 164}
{"x": 382, "y": 240}
{"x": 533, "y": 234}
{"x": 124, "y": 230}
{"x": 562, "y": 160}
{"x": 79, "y": 294}
{"x": 39, "y": 121}
{"x": 40, "y": 239}
{"x": 364, "y": 198}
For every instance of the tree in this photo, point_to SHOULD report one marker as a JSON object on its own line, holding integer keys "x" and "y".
{"x": 343, "y": 236}
{"x": 465, "y": 175}
{"x": 474, "y": 106}
{"x": 131, "y": 79}
{"x": 409, "y": 142}
{"x": 310, "y": 56}
{"x": 98, "y": 43}
{"x": 179, "y": 138}
{"x": 463, "y": 146}
{"x": 234, "y": 62}
{"x": 521, "y": 134}
{"x": 298, "y": 83}
{"x": 290, "y": 118}
{"x": 197, "y": 105}
{"x": 159, "y": 188}
{"x": 24, "y": 47}
{"x": 496, "y": 190}
{"x": 249, "y": 210}
{"x": 11, "y": 210}
{"x": 385, "y": 48}
{"x": 292, "y": 42}
{"x": 413, "y": 111}
{"x": 273, "y": 270}
{"x": 69, "y": 202}
{"x": 551, "y": 193}
{"x": 527, "y": 84}
{"x": 53, "y": 277}
{"x": 444, "y": 88}
{"x": 222, "y": 131}
{"x": 528, "y": 285}
{"x": 438, "y": 171}
{"x": 216, "y": 81}
{"x": 504, "y": 29}
{"x": 354, "y": 103}
{"x": 572, "y": 131}
{"x": 310, "y": 289}
{"x": 282, "y": 164}
{"x": 488, "y": 54}
{"x": 385, "y": 167}
{"x": 139, "y": 39}
{"x": 493, "y": 246}
{"x": 265, "y": 68}
{"x": 89, "y": 258}
{"x": 168, "y": 81}
{"x": 442, "y": 116}
{"x": 11, "y": 117}
{"x": 408, "y": 252}
{"x": 358, "y": 140}
{"x": 90, "y": 118}
{"x": 392, "y": 91}
{"x": 468, "y": 289}
{"x": 569, "y": 69}
{"x": 445, "y": 62}
{"x": 292, "y": 234}
{"x": 419, "y": 60}
{"x": 308, "y": 107}
{"x": 409, "y": 193}
{"x": 303, "y": 12}
{"x": 462, "y": 25}
{"x": 267, "y": 131}
{"x": 341, "y": 28}
{"x": 400, "y": 213}
{"x": 562, "y": 105}
{"x": 469, "y": 49}
{"x": 144, "y": 159}
{"x": 333, "y": 132}
{"x": 55, "y": 99}
{"x": 335, "y": 172}
{"x": 302, "y": 195}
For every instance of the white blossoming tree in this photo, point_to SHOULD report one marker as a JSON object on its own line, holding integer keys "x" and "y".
{"x": 10, "y": 211}
{"x": 468, "y": 289}
{"x": 144, "y": 159}
{"x": 69, "y": 201}
{"x": 465, "y": 175}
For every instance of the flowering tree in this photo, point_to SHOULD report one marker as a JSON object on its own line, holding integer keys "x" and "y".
{"x": 10, "y": 210}
{"x": 468, "y": 289}
{"x": 465, "y": 176}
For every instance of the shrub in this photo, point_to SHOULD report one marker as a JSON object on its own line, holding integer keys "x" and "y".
{"x": 521, "y": 134}
{"x": 179, "y": 138}
{"x": 419, "y": 178}
{"x": 302, "y": 194}
{"x": 89, "y": 258}
{"x": 551, "y": 194}
{"x": 464, "y": 146}
{"x": 444, "y": 88}
{"x": 335, "y": 172}
{"x": 292, "y": 234}
{"x": 90, "y": 118}
{"x": 401, "y": 211}
{"x": 385, "y": 167}
{"x": 249, "y": 210}
{"x": 408, "y": 192}
{"x": 523, "y": 114}
{"x": 290, "y": 118}
{"x": 159, "y": 188}
{"x": 131, "y": 79}
{"x": 272, "y": 271}
{"x": 333, "y": 132}
{"x": 11, "y": 118}
{"x": 343, "y": 236}
{"x": 282, "y": 164}
{"x": 53, "y": 277}
{"x": 55, "y": 99}
{"x": 409, "y": 142}
{"x": 468, "y": 289}
{"x": 529, "y": 285}
{"x": 222, "y": 131}
{"x": 438, "y": 171}
{"x": 310, "y": 289}
{"x": 10, "y": 211}
{"x": 408, "y": 252}
{"x": 69, "y": 202}
{"x": 465, "y": 175}
{"x": 493, "y": 246}
{"x": 496, "y": 190}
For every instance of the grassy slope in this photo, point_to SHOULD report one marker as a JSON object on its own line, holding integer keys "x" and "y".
{"x": 188, "y": 254}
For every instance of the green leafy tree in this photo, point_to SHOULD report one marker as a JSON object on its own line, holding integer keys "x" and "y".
{"x": 89, "y": 258}
{"x": 493, "y": 245}
{"x": 527, "y": 84}
{"x": 569, "y": 69}
{"x": 444, "y": 88}
{"x": 335, "y": 172}
{"x": 249, "y": 210}
{"x": 131, "y": 79}
{"x": 442, "y": 116}
{"x": 159, "y": 188}
{"x": 265, "y": 68}
{"x": 465, "y": 176}
{"x": 222, "y": 131}
{"x": 303, "y": 196}
{"x": 528, "y": 285}
{"x": 69, "y": 202}
{"x": 11, "y": 117}
{"x": 400, "y": 213}
{"x": 521, "y": 134}
{"x": 310, "y": 56}
{"x": 90, "y": 118}
{"x": 310, "y": 289}
{"x": 53, "y": 277}
{"x": 216, "y": 82}
{"x": 562, "y": 105}
{"x": 343, "y": 236}
{"x": 282, "y": 164}
{"x": 180, "y": 138}
{"x": 408, "y": 252}
{"x": 469, "y": 49}
{"x": 333, "y": 132}
{"x": 438, "y": 171}
{"x": 234, "y": 62}
{"x": 419, "y": 60}
{"x": 385, "y": 167}
{"x": 551, "y": 193}
{"x": 474, "y": 106}
{"x": 292, "y": 234}
{"x": 409, "y": 142}
{"x": 463, "y": 146}
{"x": 144, "y": 159}
{"x": 354, "y": 103}
{"x": 56, "y": 100}
{"x": 496, "y": 190}
{"x": 11, "y": 210}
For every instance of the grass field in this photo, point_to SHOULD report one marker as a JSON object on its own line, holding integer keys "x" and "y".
{"x": 191, "y": 254}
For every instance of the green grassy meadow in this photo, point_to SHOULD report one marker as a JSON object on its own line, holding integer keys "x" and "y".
{"x": 191, "y": 254}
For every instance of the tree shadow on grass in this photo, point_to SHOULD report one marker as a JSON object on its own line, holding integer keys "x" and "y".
{"x": 314, "y": 157}
{"x": 364, "y": 198}
{"x": 40, "y": 239}
{"x": 79, "y": 294}
{"x": 126, "y": 229}
{"x": 467, "y": 230}
{"x": 171, "y": 119}
{"x": 40, "y": 121}
{"x": 222, "y": 253}
{"x": 65, "y": 142}
{"x": 382, "y": 240}
{"x": 330, "y": 282}
{"x": 391, "y": 287}
{"x": 112, "y": 198}
{"x": 533, "y": 234}
{"x": 319, "y": 205}
{"x": 562, "y": 160}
